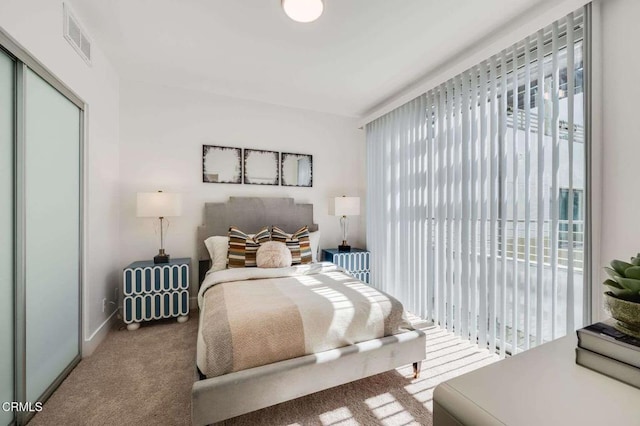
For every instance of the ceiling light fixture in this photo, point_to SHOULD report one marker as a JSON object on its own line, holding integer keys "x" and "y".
{"x": 303, "y": 10}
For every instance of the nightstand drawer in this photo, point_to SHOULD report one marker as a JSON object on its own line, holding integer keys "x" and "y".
{"x": 155, "y": 306}
{"x": 356, "y": 261}
{"x": 154, "y": 279}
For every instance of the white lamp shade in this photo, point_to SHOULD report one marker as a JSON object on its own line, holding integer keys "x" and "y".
{"x": 347, "y": 206}
{"x": 158, "y": 204}
{"x": 303, "y": 10}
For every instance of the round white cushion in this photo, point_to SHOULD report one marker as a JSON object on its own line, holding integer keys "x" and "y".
{"x": 273, "y": 254}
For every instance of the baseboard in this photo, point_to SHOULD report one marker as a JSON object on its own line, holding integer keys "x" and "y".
{"x": 193, "y": 303}
{"x": 92, "y": 342}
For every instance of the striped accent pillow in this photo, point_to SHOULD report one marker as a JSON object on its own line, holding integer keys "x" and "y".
{"x": 243, "y": 247}
{"x": 298, "y": 243}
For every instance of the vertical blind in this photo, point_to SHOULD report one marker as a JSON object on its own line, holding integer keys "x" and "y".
{"x": 476, "y": 215}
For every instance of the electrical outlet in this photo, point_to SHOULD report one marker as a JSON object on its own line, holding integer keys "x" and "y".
{"x": 104, "y": 304}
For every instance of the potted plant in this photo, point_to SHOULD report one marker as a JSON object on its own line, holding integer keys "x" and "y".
{"x": 623, "y": 297}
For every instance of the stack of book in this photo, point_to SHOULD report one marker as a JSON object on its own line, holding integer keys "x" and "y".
{"x": 602, "y": 348}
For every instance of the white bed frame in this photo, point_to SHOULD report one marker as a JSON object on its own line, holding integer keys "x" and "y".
{"x": 230, "y": 395}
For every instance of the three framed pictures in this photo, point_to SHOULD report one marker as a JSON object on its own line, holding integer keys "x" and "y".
{"x": 221, "y": 164}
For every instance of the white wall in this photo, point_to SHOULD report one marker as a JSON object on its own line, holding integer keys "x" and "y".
{"x": 37, "y": 26}
{"x": 621, "y": 129}
{"x": 163, "y": 129}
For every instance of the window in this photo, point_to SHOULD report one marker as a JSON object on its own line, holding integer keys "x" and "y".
{"x": 576, "y": 239}
{"x": 476, "y": 216}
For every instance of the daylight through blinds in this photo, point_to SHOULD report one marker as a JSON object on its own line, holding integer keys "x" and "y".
{"x": 476, "y": 205}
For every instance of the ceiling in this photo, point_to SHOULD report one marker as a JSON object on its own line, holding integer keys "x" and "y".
{"x": 357, "y": 55}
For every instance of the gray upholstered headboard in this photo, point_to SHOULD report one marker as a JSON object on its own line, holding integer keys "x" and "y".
{"x": 250, "y": 214}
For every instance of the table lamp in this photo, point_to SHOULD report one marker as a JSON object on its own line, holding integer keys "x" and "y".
{"x": 159, "y": 204}
{"x": 344, "y": 207}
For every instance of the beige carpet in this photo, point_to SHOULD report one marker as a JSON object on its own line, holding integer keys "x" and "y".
{"x": 144, "y": 377}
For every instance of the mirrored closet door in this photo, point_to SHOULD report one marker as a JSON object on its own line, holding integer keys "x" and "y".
{"x": 41, "y": 127}
{"x": 52, "y": 233}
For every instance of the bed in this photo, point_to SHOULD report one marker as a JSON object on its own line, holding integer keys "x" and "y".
{"x": 295, "y": 352}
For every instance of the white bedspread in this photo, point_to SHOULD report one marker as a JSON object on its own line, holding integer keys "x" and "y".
{"x": 254, "y": 316}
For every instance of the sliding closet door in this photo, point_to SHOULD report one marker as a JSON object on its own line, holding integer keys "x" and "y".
{"x": 6, "y": 233}
{"x": 51, "y": 203}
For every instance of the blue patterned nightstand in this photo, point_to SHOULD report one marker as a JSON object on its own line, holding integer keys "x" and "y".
{"x": 356, "y": 261}
{"x": 155, "y": 291}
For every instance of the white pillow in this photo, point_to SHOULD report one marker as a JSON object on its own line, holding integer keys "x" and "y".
{"x": 314, "y": 241}
{"x": 218, "y": 247}
{"x": 273, "y": 254}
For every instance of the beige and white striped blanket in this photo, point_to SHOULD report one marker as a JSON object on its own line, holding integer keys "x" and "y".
{"x": 253, "y": 316}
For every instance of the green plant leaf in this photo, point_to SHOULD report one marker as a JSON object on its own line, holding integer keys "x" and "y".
{"x": 613, "y": 274}
{"x": 612, "y": 283}
{"x": 636, "y": 260}
{"x": 629, "y": 283}
{"x": 633, "y": 272}
{"x": 620, "y": 266}
{"x": 622, "y": 293}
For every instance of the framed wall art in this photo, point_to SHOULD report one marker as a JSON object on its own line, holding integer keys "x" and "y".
{"x": 261, "y": 167}
{"x": 296, "y": 169}
{"x": 221, "y": 164}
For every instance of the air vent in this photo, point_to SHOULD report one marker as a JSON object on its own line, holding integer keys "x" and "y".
{"x": 76, "y": 36}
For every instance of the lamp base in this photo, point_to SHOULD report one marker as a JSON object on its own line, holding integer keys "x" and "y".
{"x": 161, "y": 257}
{"x": 344, "y": 248}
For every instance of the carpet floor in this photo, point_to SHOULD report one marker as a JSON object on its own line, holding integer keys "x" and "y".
{"x": 145, "y": 376}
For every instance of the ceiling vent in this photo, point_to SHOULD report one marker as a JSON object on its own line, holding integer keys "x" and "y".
{"x": 76, "y": 36}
